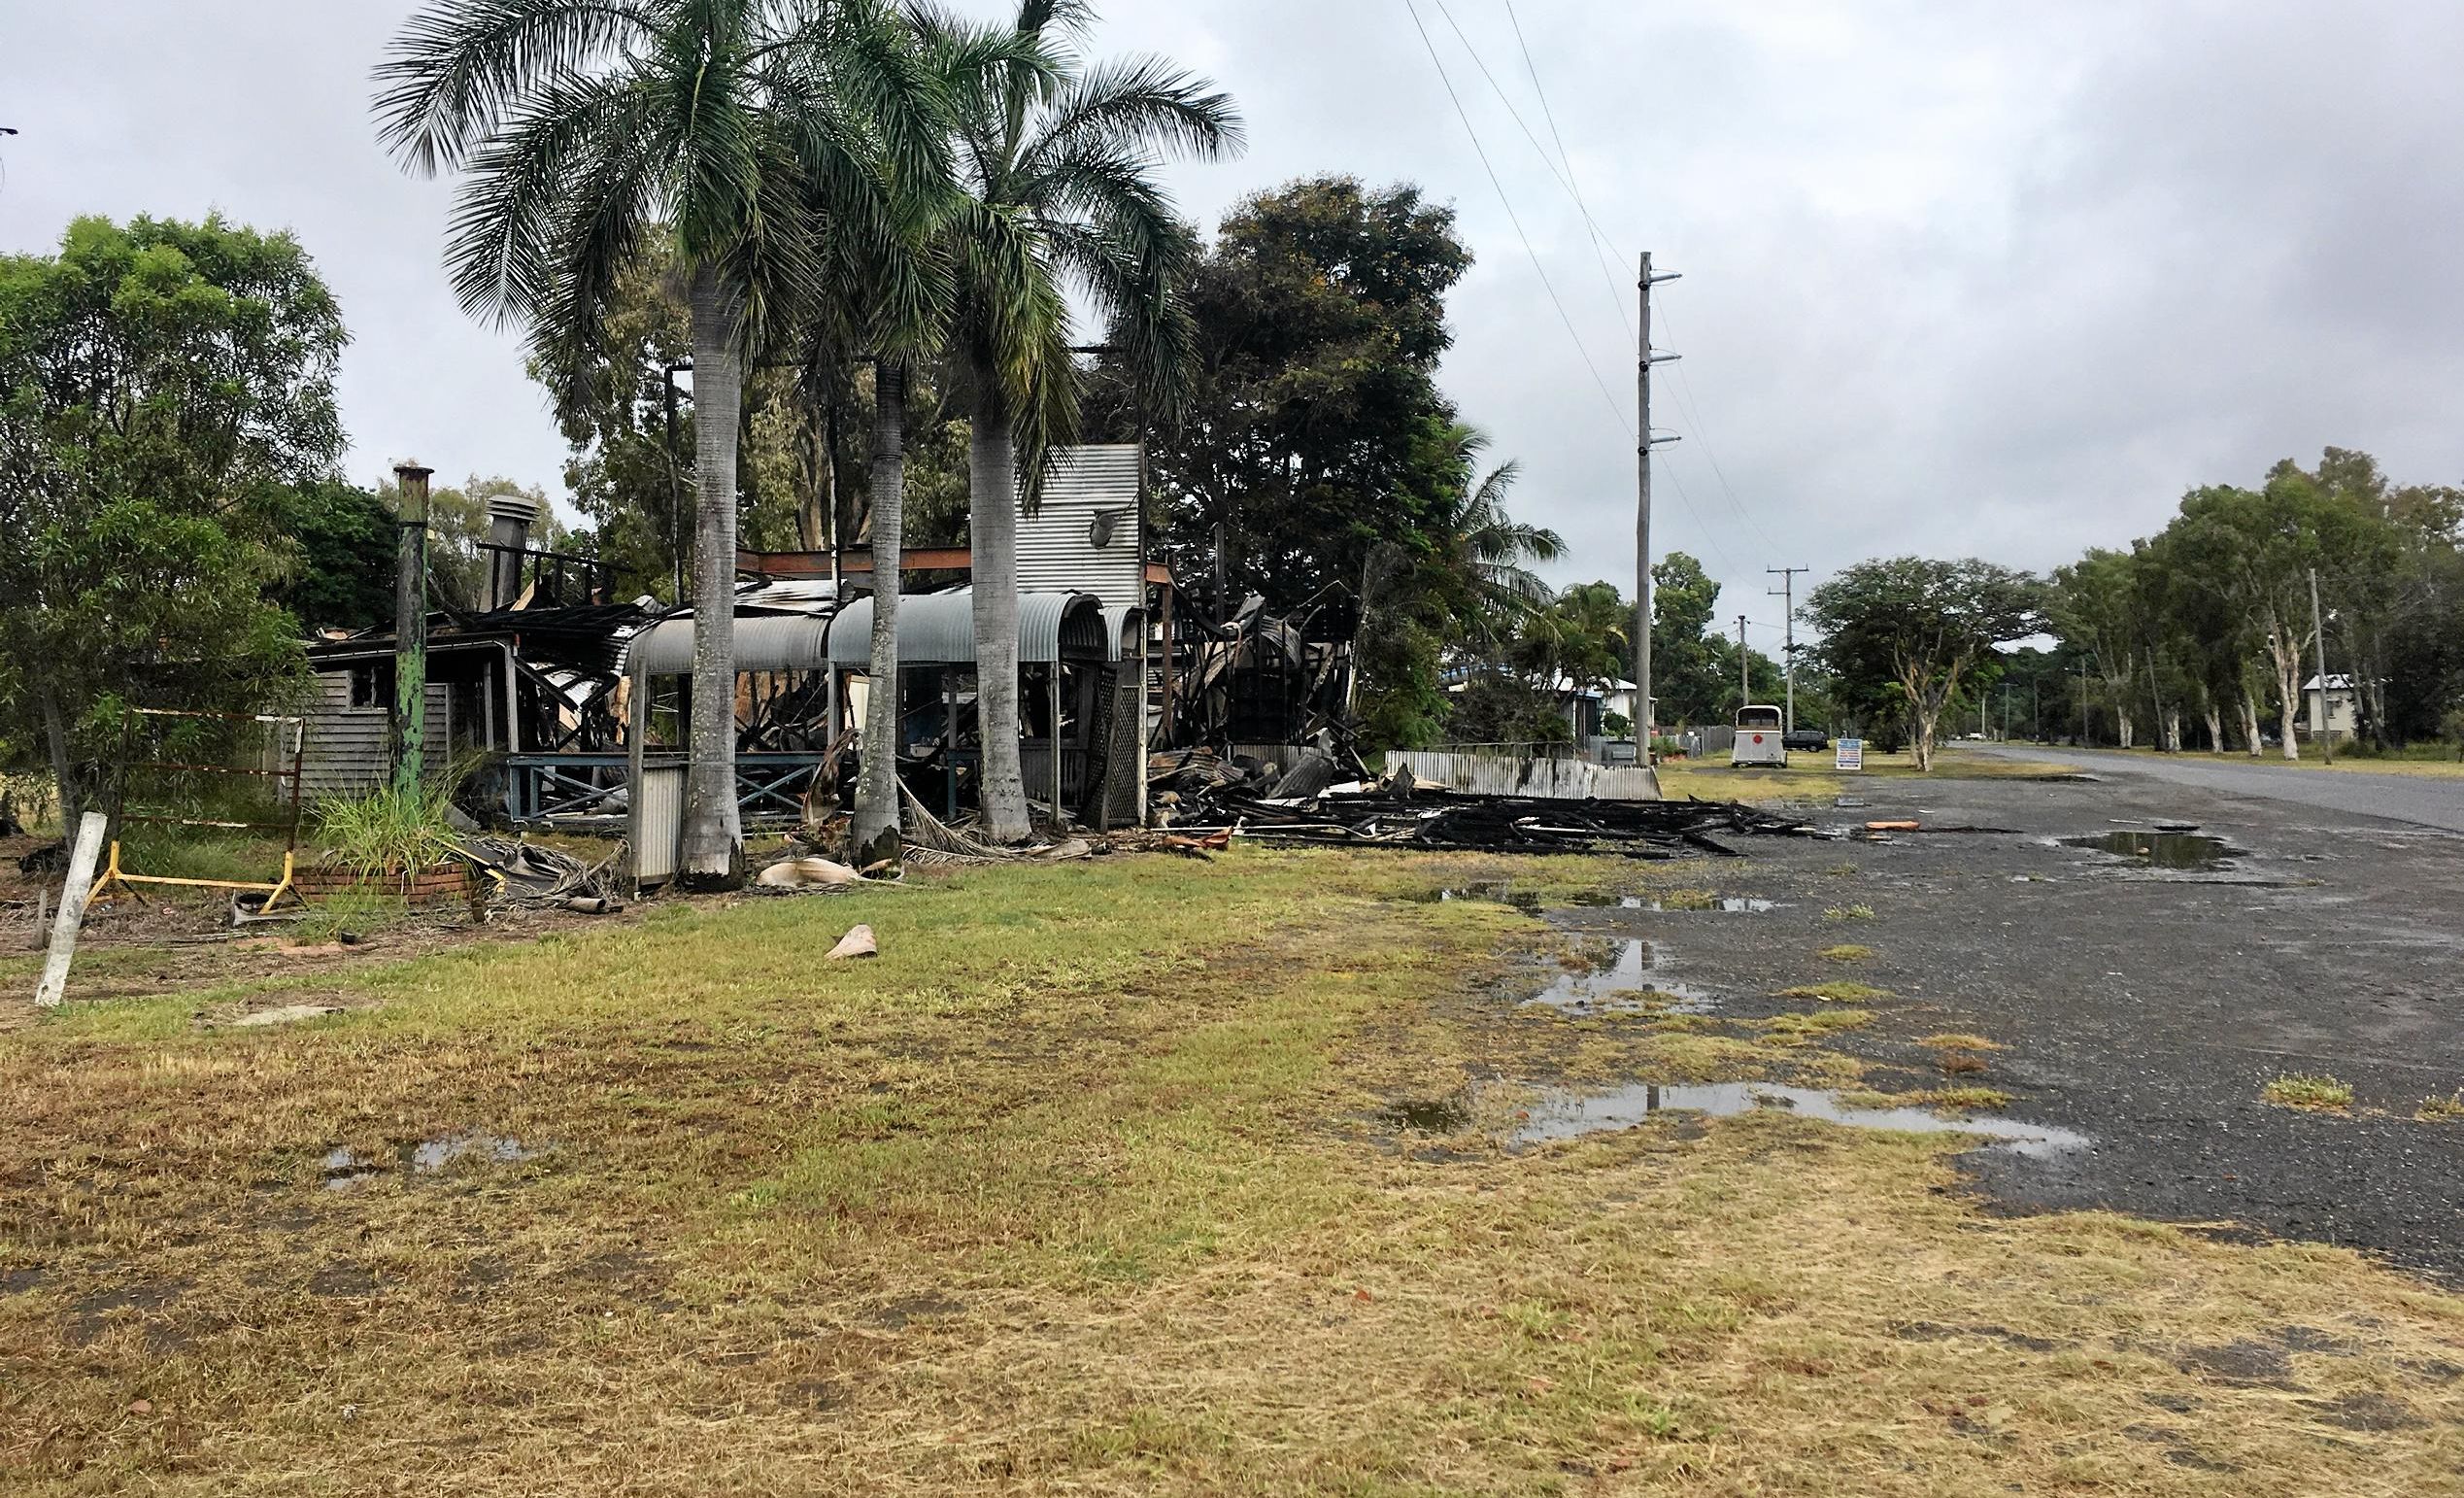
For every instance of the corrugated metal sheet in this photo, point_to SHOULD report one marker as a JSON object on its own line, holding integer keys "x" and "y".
{"x": 1122, "y": 626}
{"x": 1490, "y": 775}
{"x": 1090, "y": 492}
{"x": 656, "y": 828}
{"x": 939, "y": 628}
{"x": 777, "y": 643}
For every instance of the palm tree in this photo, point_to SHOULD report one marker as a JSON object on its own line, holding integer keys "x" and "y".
{"x": 756, "y": 135}
{"x": 1477, "y": 567}
{"x": 1056, "y": 161}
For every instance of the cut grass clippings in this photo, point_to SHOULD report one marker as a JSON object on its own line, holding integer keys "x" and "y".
{"x": 1087, "y": 1184}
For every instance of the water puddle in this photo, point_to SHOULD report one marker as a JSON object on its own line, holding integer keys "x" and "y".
{"x": 2191, "y": 852}
{"x": 1496, "y": 892}
{"x": 1571, "y": 1115}
{"x": 1436, "y": 1116}
{"x": 1723, "y": 904}
{"x": 346, "y": 1169}
{"x": 1628, "y": 982}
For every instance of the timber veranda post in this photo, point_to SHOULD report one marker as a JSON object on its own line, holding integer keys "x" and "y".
{"x": 410, "y": 628}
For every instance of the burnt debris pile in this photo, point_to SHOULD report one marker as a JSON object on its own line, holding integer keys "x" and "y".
{"x": 1424, "y": 817}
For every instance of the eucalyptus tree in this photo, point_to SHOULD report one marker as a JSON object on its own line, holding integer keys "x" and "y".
{"x": 746, "y": 137}
{"x": 1057, "y": 165}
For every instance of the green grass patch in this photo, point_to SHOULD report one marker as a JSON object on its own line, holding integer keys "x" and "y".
{"x": 2311, "y": 1092}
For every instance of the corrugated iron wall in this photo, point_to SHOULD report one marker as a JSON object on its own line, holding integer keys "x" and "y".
{"x": 1551, "y": 779}
{"x": 1092, "y": 493}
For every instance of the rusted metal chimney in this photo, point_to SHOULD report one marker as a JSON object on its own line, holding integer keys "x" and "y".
{"x": 510, "y": 518}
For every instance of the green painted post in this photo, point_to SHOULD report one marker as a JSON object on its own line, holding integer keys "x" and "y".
{"x": 410, "y": 628}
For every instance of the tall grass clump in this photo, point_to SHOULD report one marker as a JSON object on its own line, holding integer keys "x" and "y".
{"x": 390, "y": 830}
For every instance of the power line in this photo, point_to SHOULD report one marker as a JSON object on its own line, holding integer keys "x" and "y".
{"x": 1602, "y": 246}
{"x": 1702, "y": 435}
{"x": 1564, "y": 176}
{"x": 1482, "y": 152}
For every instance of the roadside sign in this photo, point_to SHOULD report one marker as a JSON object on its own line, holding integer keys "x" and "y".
{"x": 1849, "y": 754}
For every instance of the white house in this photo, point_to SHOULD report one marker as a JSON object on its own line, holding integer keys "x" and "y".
{"x": 2339, "y": 715}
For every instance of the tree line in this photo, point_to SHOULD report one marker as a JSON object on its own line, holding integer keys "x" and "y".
{"x": 789, "y": 272}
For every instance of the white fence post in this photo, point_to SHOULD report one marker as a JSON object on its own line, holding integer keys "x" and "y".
{"x": 81, "y": 883}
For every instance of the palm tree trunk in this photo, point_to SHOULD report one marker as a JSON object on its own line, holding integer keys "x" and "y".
{"x": 713, "y": 844}
{"x": 992, "y": 540}
{"x": 876, "y": 831}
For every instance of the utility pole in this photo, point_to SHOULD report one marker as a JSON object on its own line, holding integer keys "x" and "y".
{"x": 1787, "y": 591}
{"x": 1644, "y": 714}
{"x": 1744, "y": 661}
{"x": 410, "y": 626}
{"x": 2319, "y": 631}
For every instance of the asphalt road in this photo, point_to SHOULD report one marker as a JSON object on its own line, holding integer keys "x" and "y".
{"x": 2422, "y": 800}
{"x": 2147, "y": 1007}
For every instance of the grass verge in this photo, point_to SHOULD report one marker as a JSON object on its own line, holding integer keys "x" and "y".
{"x": 1085, "y": 1185}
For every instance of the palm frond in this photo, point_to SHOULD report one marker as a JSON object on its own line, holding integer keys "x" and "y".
{"x": 459, "y": 67}
{"x": 498, "y": 238}
{"x": 1137, "y": 105}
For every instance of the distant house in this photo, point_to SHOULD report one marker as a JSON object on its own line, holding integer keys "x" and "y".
{"x": 2334, "y": 711}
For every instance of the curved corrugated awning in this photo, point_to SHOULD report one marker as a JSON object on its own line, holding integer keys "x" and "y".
{"x": 798, "y": 642}
{"x": 939, "y": 628}
{"x": 1122, "y": 625}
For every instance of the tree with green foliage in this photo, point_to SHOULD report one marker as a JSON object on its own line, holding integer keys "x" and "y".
{"x": 2257, "y": 549}
{"x": 1057, "y": 191}
{"x": 752, "y": 138}
{"x": 1456, "y": 585}
{"x": 1314, "y": 431}
{"x": 1689, "y": 677}
{"x": 1923, "y": 628}
{"x": 344, "y": 554}
{"x": 166, "y": 394}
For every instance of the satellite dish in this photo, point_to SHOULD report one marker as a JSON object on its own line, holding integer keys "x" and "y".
{"x": 1100, "y": 530}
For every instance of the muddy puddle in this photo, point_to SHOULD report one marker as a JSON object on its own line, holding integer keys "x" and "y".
{"x": 1436, "y": 1116}
{"x": 1631, "y": 980}
{"x": 2184, "y": 852}
{"x": 1496, "y": 892}
{"x": 1681, "y": 903}
{"x": 1566, "y": 1116}
{"x": 345, "y": 1168}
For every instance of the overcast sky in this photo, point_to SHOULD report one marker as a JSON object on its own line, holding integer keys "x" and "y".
{"x": 1959, "y": 278}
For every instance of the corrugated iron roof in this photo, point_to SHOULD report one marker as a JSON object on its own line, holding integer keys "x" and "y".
{"x": 939, "y": 628}
{"x": 784, "y": 642}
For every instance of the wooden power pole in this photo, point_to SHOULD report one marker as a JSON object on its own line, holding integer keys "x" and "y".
{"x": 1744, "y": 666}
{"x": 1644, "y": 442}
{"x": 1787, "y": 591}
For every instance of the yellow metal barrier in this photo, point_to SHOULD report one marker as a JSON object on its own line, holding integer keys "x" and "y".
{"x": 113, "y": 875}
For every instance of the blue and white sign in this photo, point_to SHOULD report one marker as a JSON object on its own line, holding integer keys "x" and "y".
{"x": 1848, "y": 754}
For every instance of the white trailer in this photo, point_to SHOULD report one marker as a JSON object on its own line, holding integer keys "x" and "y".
{"x": 1760, "y": 729}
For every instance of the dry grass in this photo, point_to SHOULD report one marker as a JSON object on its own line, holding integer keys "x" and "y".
{"x": 1846, "y": 952}
{"x": 2437, "y": 1109}
{"x": 2311, "y": 1092}
{"x": 1956, "y": 1041}
{"x": 1083, "y": 1187}
{"x": 1838, "y": 990}
{"x": 1848, "y": 913}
